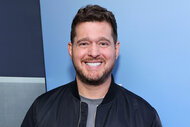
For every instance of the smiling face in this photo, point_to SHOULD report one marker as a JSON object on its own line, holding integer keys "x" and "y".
{"x": 93, "y": 52}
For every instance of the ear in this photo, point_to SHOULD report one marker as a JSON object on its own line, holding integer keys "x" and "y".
{"x": 70, "y": 49}
{"x": 117, "y": 48}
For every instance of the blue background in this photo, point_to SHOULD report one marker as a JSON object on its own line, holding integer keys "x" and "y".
{"x": 154, "y": 59}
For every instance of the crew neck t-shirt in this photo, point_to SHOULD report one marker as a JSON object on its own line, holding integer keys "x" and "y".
{"x": 92, "y": 106}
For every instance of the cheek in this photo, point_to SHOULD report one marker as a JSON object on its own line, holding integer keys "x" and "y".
{"x": 109, "y": 54}
{"x": 78, "y": 54}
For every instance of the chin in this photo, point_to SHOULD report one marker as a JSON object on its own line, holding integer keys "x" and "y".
{"x": 93, "y": 79}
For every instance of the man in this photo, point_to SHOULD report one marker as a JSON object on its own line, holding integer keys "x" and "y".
{"x": 93, "y": 99}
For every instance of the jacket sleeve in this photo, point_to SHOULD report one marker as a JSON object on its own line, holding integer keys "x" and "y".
{"x": 156, "y": 121}
{"x": 30, "y": 118}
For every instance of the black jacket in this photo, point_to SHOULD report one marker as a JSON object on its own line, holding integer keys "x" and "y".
{"x": 61, "y": 107}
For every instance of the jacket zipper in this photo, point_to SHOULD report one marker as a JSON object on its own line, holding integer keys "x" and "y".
{"x": 79, "y": 115}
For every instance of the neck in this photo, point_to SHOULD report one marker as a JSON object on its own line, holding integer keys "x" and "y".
{"x": 92, "y": 91}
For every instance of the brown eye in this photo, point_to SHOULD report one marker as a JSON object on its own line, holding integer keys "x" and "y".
{"x": 83, "y": 44}
{"x": 104, "y": 44}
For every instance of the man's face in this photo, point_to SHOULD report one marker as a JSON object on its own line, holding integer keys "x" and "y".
{"x": 93, "y": 52}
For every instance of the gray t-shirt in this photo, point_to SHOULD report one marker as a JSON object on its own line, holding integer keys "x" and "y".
{"x": 92, "y": 105}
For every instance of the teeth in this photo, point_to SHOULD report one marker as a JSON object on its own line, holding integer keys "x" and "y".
{"x": 93, "y": 64}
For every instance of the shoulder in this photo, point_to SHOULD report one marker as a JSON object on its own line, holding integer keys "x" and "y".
{"x": 139, "y": 107}
{"x": 137, "y": 103}
{"x": 47, "y": 105}
{"x": 53, "y": 95}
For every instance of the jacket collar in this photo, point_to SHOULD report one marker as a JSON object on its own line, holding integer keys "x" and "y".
{"x": 109, "y": 96}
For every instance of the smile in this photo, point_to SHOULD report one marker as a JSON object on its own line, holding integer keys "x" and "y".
{"x": 93, "y": 64}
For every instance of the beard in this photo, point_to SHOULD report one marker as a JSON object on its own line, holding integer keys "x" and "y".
{"x": 94, "y": 81}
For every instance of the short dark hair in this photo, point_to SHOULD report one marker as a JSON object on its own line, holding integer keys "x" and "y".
{"x": 92, "y": 13}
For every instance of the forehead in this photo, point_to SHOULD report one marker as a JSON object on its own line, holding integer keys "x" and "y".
{"x": 94, "y": 30}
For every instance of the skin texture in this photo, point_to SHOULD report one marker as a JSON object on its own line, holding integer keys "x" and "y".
{"x": 93, "y": 53}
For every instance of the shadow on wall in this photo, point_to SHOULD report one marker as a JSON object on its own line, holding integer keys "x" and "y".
{"x": 71, "y": 71}
{"x": 116, "y": 67}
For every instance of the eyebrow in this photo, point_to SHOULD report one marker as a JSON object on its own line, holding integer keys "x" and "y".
{"x": 83, "y": 39}
{"x": 99, "y": 39}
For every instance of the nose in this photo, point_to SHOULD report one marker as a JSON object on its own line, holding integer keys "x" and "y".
{"x": 94, "y": 50}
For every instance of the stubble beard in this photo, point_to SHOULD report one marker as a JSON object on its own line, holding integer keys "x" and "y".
{"x": 93, "y": 81}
